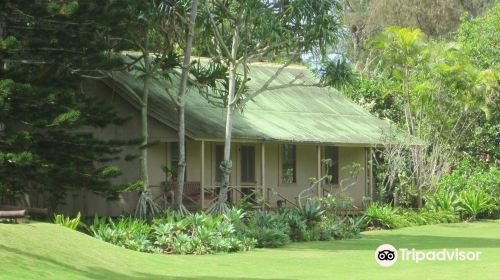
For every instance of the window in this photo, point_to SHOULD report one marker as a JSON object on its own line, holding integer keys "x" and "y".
{"x": 219, "y": 157}
{"x": 288, "y": 166}
{"x": 247, "y": 158}
{"x": 333, "y": 154}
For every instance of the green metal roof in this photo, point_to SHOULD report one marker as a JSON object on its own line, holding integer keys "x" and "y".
{"x": 294, "y": 114}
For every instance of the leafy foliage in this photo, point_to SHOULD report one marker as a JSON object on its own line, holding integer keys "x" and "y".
{"x": 479, "y": 38}
{"x": 437, "y": 92}
{"x": 381, "y": 215}
{"x": 45, "y": 106}
{"x": 443, "y": 200}
{"x": 386, "y": 216}
{"x": 125, "y": 232}
{"x": 48, "y": 153}
{"x": 268, "y": 229}
{"x": 175, "y": 234}
{"x": 475, "y": 202}
{"x": 312, "y": 212}
{"x": 469, "y": 175}
{"x": 62, "y": 220}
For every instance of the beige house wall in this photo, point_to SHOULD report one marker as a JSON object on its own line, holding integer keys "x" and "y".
{"x": 91, "y": 203}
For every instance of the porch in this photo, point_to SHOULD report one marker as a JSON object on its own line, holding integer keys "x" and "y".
{"x": 267, "y": 175}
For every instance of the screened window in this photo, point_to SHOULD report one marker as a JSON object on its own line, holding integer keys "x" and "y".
{"x": 219, "y": 157}
{"x": 247, "y": 158}
{"x": 288, "y": 167}
{"x": 333, "y": 154}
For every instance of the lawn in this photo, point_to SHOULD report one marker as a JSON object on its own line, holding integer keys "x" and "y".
{"x": 46, "y": 251}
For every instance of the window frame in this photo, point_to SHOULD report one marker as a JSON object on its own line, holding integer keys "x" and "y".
{"x": 291, "y": 161}
{"x": 334, "y": 170}
{"x": 217, "y": 161}
{"x": 254, "y": 165}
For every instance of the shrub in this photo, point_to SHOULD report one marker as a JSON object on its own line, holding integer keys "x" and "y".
{"x": 296, "y": 224}
{"x": 125, "y": 232}
{"x": 425, "y": 216}
{"x": 347, "y": 227}
{"x": 196, "y": 233}
{"x": 442, "y": 200}
{"x": 311, "y": 212}
{"x": 268, "y": 229}
{"x": 439, "y": 217}
{"x": 475, "y": 202}
{"x": 60, "y": 219}
{"x": 469, "y": 176}
{"x": 381, "y": 215}
{"x": 201, "y": 233}
{"x": 329, "y": 203}
{"x": 477, "y": 189}
{"x": 269, "y": 237}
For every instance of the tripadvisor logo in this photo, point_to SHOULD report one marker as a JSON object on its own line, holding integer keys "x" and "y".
{"x": 387, "y": 255}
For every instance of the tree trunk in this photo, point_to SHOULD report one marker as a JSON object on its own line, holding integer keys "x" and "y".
{"x": 146, "y": 207}
{"x": 407, "y": 109}
{"x": 229, "y": 118}
{"x": 415, "y": 162}
{"x": 181, "y": 167}
{"x": 144, "y": 124}
{"x": 226, "y": 165}
{"x": 3, "y": 27}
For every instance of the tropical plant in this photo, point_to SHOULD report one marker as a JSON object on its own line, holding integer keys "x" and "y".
{"x": 424, "y": 216}
{"x": 296, "y": 223}
{"x": 65, "y": 221}
{"x": 381, "y": 215}
{"x": 442, "y": 200}
{"x": 312, "y": 211}
{"x": 125, "y": 232}
{"x": 268, "y": 229}
{"x": 348, "y": 227}
{"x": 201, "y": 233}
{"x": 475, "y": 202}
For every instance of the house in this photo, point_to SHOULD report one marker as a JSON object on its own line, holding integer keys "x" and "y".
{"x": 279, "y": 141}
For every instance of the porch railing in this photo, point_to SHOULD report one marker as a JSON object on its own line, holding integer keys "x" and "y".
{"x": 192, "y": 194}
{"x": 250, "y": 197}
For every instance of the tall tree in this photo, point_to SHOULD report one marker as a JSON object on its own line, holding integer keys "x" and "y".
{"x": 181, "y": 169}
{"x": 246, "y": 31}
{"x": 45, "y": 50}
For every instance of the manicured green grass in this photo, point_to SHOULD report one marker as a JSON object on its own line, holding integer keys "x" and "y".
{"x": 46, "y": 251}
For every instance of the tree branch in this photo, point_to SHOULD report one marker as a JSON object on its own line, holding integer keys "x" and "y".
{"x": 267, "y": 84}
{"x": 218, "y": 36}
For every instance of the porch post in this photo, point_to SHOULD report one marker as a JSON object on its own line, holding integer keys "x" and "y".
{"x": 202, "y": 179}
{"x": 263, "y": 172}
{"x": 319, "y": 170}
{"x": 370, "y": 161}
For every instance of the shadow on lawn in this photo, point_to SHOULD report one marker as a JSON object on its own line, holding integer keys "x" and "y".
{"x": 371, "y": 242}
{"x": 51, "y": 265}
